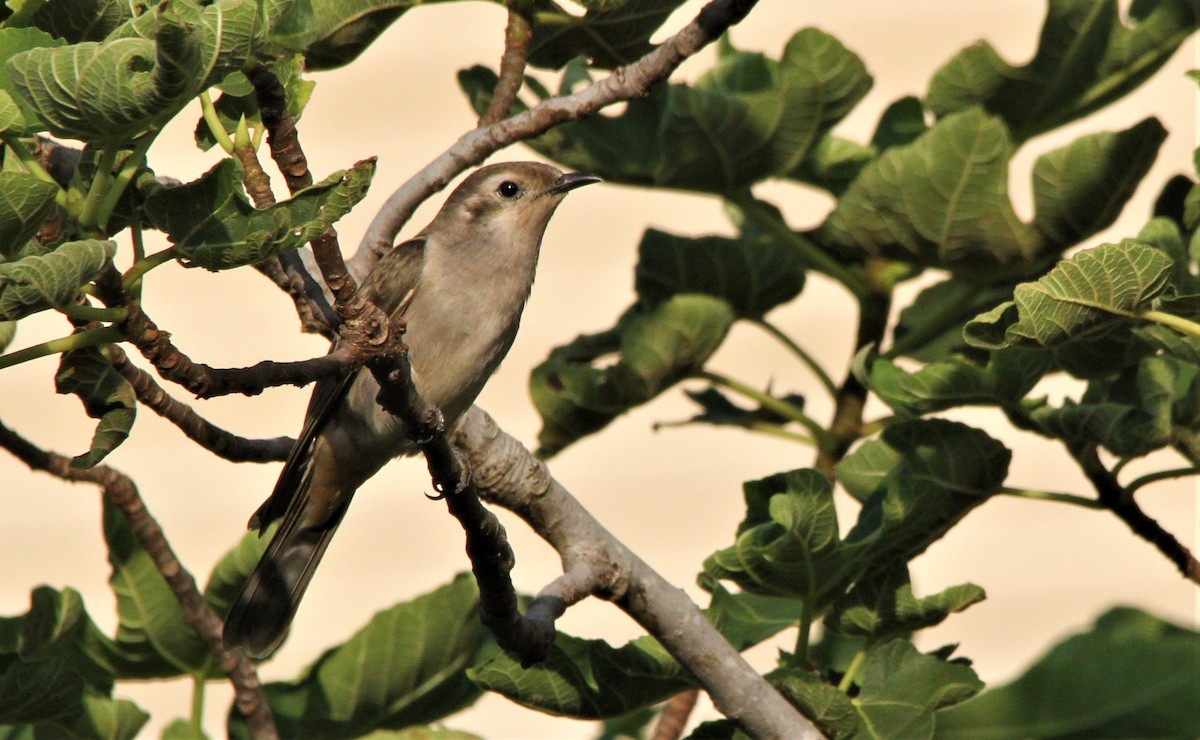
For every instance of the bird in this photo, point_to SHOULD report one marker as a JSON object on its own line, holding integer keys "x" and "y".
{"x": 461, "y": 285}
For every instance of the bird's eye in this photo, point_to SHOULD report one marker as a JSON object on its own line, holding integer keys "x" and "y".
{"x": 509, "y": 189}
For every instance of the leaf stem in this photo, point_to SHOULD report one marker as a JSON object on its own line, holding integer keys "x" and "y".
{"x": 129, "y": 168}
{"x": 812, "y": 255}
{"x": 88, "y": 215}
{"x": 1062, "y": 498}
{"x": 856, "y": 664}
{"x": 1178, "y": 323}
{"x": 800, "y": 353}
{"x": 767, "y": 401}
{"x": 214, "y": 123}
{"x": 88, "y": 338}
{"x": 776, "y": 430}
{"x": 1149, "y": 478}
{"x": 145, "y": 265}
{"x": 93, "y": 313}
{"x": 197, "y": 718}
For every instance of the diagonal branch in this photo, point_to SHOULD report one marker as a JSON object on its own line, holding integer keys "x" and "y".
{"x": 517, "y": 36}
{"x": 509, "y": 475}
{"x": 473, "y": 147}
{"x": 123, "y": 493}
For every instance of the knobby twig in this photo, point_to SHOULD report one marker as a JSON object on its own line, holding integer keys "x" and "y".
{"x": 209, "y": 382}
{"x": 1114, "y": 496}
{"x": 674, "y": 717}
{"x": 198, "y": 615}
{"x": 529, "y": 637}
{"x": 473, "y": 147}
{"x": 509, "y": 475}
{"x": 216, "y": 440}
{"x": 517, "y": 36}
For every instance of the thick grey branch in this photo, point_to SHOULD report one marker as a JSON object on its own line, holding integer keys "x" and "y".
{"x": 509, "y": 475}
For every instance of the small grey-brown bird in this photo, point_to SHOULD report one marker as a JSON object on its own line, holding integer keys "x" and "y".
{"x": 461, "y": 285}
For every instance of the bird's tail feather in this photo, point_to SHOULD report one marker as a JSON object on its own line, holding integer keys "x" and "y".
{"x": 260, "y": 616}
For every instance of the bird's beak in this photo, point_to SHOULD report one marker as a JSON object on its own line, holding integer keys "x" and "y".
{"x": 571, "y": 180}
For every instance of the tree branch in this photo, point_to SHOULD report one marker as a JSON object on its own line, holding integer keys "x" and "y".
{"x": 198, "y": 429}
{"x": 509, "y": 475}
{"x": 1119, "y": 502}
{"x": 473, "y": 147}
{"x": 197, "y": 613}
{"x": 517, "y": 35}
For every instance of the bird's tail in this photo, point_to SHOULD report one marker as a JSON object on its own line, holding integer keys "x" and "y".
{"x": 263, "y": 610}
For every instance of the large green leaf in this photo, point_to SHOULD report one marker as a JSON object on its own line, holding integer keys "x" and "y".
{"x": 883, "y": 605}
{"x": 24, "y": 119}
{"x": 750, "y": 117}
{"x": 143, "y": 72}
{"x": 956, "y": 381}
{"x": 610, "y": 33}
{"x": 25, "y": 201}
{"x": 83, "y": 20}
{"x": 941, "y": 200}
{"x": 88, "y": 715}
{"x": 213, "y": 225}
{"x": 234, "y": 567}
{"x": 1082, "y": 187}
{"x": 1087, "y": 57}
{"x": 89, "y": 374}
{"x": 406, "y": 667}
{"x": 1131, "y": 675}
{"x": 1081, "y": 299}
{"x": 331, "y": 33}
{"x": 152, "y": 633}
{"x": 38, "y": 282}
{"x": 930, "y": 327}
{"x": 753, "y": 277}
{"x": 578, "y": 391}
{"x": 746, "y": 619}
{"x": 588, "y": 679}
{"x": 1145, "y": 408}
{"x": 8, "y": 330}
{"x": 899, "y": 691}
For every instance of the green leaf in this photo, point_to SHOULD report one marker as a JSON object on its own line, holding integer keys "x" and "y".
{"x": 183, "y": 729}
{"x": 956, "y": 381}
{"x": 89, "y": 374}
{"x": 930, "y": 328}
{"x": 588, "y": 679}
{"x": 916, "y": 481}
{"x": 151, "y": 632}
{"x": 941, "y": 200}
{"x": 406, "y": 667}
{"x": 1087, "y": 57}
{"x": 92, "y": 715}
{"x": 25, "y": 201}
{"x": 37, "y": 692}
{"x": 718, "y": 410}
{"x": 332, "y": 33}
{"x": 1145, "y": 408}
{"x": 8, "y": 330}
{"x": 833, "y": 163}
{"x": 752, "y": 277}
{"x": 142, "y": 73}
{"x": 611, "y": 33}
{"x": 830, "y": 709}
{"x": 37, "y": 282}
{"x": 1081, "y": 188}
{"x": 883, "y": 605}
{"x": 750, "y": 116}
{"x": 14, "y": 41}
{"x": 902, "y": 123}
{"x": 788, "y": 544}
{"x": 746, "y": 619}
{"x": 1081, "y": 299}
{"x": 578, "y": 391}
{"x": 213, "y": 225}
{"x": 238, "y": 99}
{"x": 1131, "y": 675}
{"x": 83, "y": 20}
{"x": 1171, "y": 342}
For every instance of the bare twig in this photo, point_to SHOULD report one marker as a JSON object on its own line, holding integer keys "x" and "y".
{"x": 281, "y": 129}
{"x": 674, "y": 716}
{"x": 123, "y": 493}
{"x": 509, "y": 475}
{"x": 1119, "y": 502}
{"x": 512, "y": 65}
{"x": 473, "y": 147}
{"x": 198, "y": 429}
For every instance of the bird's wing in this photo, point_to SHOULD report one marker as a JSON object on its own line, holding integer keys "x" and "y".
{"x": 401, "y": 267}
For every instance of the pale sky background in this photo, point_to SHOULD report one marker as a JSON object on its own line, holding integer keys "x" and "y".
{"x": 672, "y": 496}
